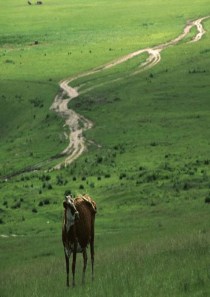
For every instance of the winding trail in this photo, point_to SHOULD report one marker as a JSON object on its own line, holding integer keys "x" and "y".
{"x": 12, "y": 235}
{"x": 76, "y": 140}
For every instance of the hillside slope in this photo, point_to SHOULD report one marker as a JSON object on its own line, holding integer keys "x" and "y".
{"x": 146, "y": 162}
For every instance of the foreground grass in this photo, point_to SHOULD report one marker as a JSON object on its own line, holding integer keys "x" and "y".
{"x": 130, "y": 263}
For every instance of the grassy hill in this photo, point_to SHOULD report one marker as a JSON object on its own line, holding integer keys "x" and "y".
{"x": 150, "y": 177}
{"x": 72, "y": 37}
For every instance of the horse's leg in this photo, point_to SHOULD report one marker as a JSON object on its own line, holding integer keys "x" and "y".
{"x": 67, "y": 269}
{"x": 85, "y": 265}
{"x": 92, "y": 247}
{"x": 73, "y": 265}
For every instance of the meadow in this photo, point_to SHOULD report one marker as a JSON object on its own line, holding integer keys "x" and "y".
{"x": 150, "y": 175}
{"x": 72, "y": 38}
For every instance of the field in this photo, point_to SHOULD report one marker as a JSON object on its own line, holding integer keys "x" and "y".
{"x": 146, "y": 162}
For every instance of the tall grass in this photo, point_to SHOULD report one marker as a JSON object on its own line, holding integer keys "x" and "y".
{"x": 175, "y": 266}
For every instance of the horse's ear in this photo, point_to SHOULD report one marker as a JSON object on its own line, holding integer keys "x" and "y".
{"x": 64, "y": 204}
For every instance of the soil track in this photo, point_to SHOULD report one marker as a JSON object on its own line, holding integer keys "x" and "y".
{"x": 76, "y": 140}
{"x": 73, "y": 120}
{"x": 12, "y": 235}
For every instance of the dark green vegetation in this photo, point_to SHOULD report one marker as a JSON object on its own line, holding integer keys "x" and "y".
{"x": 30, "y": 132}
{"x": 150, "y": 177}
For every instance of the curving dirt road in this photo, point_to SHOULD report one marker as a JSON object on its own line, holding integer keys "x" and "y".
{"x": 76, "y": 140}
{"x": 200, "y": 29}
{"x": 12, "y": 235}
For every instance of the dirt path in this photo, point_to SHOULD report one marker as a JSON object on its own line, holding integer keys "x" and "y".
{"x": 200, "y": 29}
{"x": 76, "y": 140}
{"x": 12, "y": 235}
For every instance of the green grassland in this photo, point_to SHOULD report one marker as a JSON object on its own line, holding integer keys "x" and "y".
{"x": 72, "y": 38}
{"x": 149, "y": 178}
{"x": 127, "y": 264}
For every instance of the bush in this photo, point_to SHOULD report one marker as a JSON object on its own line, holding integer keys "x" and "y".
{"x": 153, "y": 143}
{"x": 67, "y": 193}
{"x": 10, "y": 62}
{"x": 122, "y": 175}
{"x": 81, "y": 187}
{"x": 99, "y": 178}
{"x": 99, "y": 160}
{"x": 92, "y": 185}
{"x": 47, "y": 201}
{"x": 207, "y": 199}
{"x": 138, "y": 182}
{"x": 151, "y": 177}
{"x": 1, "y": 221}
{"x": 45, "y": 177}
{"x": 74, "y": 178}
{"x": 59, "y": 180}
{"x": 49, "y": 187}
{"x": 107, "y": 175}
{"x": 186, "y": 186}
{"x": 15, "y": 206}
{"x": 34, "y": 210}
{"x": 41, "y": 203}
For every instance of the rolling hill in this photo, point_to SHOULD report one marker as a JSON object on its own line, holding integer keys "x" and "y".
{"x": 146, "y": 160}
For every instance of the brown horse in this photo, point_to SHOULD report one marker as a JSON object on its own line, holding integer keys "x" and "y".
{"x": 78, "y": 231}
